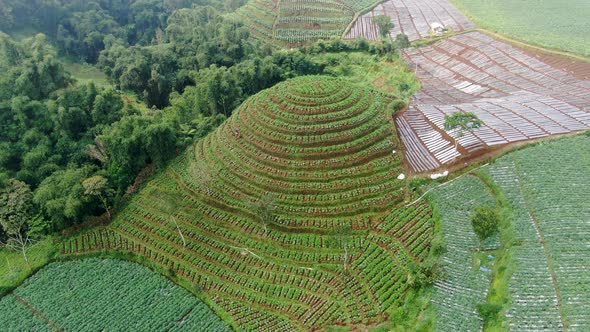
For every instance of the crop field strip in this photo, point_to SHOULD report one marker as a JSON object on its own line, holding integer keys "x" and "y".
{"x": 320, "y": 151}
{"x": 293, "y": 22}
{"x": 455, "y": 297}
{"x": 517, "y": 96}
{"x": 411, "y": 17}
{"x": 549, "y": 186}
{"x": 103, "y": 295}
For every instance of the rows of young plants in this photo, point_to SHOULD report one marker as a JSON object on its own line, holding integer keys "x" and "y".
{"x": 466, "y": 281}
{"x": 259, "y": 16}
{"x": 277, "y": 239}
{"x": 16, "y": 316}
{"x": 292, "y": 22}
{"x": 112, "y": 295}
{"x": 549, "y": 185}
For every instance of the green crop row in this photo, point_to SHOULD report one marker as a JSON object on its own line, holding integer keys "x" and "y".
{"x": 107, "y": 295}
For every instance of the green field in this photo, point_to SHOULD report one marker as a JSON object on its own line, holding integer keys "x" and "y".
{"x": 465, "y": 285}
{"x": 85, "y": 73}
{"x": 14, "y": 268}
{"x": 290, "y": 215}
{"x": 98, "y": 295}
{"x": 546, "y": 23}
{"x": 392, "y": 77}
{"x": 548, "y": 188}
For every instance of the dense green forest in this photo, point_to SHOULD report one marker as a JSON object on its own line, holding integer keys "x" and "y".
{"x": 68, "y": 150}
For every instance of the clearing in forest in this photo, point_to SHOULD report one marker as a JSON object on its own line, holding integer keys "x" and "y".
{"x": 290, "y": 215}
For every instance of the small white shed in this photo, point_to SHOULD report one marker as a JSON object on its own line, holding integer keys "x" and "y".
{"x": 437, "y": 28}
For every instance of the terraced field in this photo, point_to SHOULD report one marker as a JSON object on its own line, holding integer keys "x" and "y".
{"x": 99, "y": 295}
{"x": 548, "y": 186}
{"x": 411, "y": 17}
{"x": 455, "y": 297}
{"x": 289, "y": 216}
{"x": 293, "y": 22}
{"x": 517, "y": 96}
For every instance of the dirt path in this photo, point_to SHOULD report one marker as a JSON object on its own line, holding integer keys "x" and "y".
{"x": 37, "y": 313}
{"x": 550, "y": 263}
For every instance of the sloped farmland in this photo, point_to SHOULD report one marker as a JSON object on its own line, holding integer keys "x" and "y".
{"x": 517, "y": 96}
{"x": 412, "y": 18}
{"x": 289, "y": 216}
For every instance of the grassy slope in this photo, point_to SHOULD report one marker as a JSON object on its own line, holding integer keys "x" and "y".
{"x": 14, "y": 269}
{"x": 392, "y": 77}
{"x": 561, "y": 25}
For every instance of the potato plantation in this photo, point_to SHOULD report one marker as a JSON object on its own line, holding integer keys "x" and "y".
{"x": 517, "y": 96}
{"x": 95, "y": 294}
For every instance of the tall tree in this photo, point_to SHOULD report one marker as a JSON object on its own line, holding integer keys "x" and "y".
{"x": 461, "y": 122}
{"x": 384, "y": 24}
{"x": 485, "y": 222}
{"x": 16, "y": 211}
{"x": 97, "y": 186}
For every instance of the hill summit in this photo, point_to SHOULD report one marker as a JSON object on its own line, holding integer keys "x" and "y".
{"x": 318, "y": 149}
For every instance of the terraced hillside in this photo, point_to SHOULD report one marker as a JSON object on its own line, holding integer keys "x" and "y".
{"x": 289, "y": 216}
{"x": 516, "y": 95}
{"x": 292, "y": 22}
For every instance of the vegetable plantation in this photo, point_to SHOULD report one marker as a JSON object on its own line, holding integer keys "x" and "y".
{"x": 548, "y": 186}
{"x": 289, "y": 216}
{"x": 456, "y": 296}
{"x": 546, "y": 23}
{"x": 293, "y": 22}
{"x": 98, "y": 295}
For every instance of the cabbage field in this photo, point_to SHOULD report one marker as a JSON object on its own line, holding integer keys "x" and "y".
{"x": 547, "y": 23}
{"x": 98, "y": 295}
{"x": 548, "y": 187}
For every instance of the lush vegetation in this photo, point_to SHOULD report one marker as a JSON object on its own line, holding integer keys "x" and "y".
{"x": 283, "y": 216}
{"x": 81, "y": 29}
{"x": 95, "y": 294}
{"x": 546, "y": 23}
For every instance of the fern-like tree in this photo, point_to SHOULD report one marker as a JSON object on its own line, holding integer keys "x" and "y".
{"x": 461, "y": 122}
{"x": 384, "y": 24}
